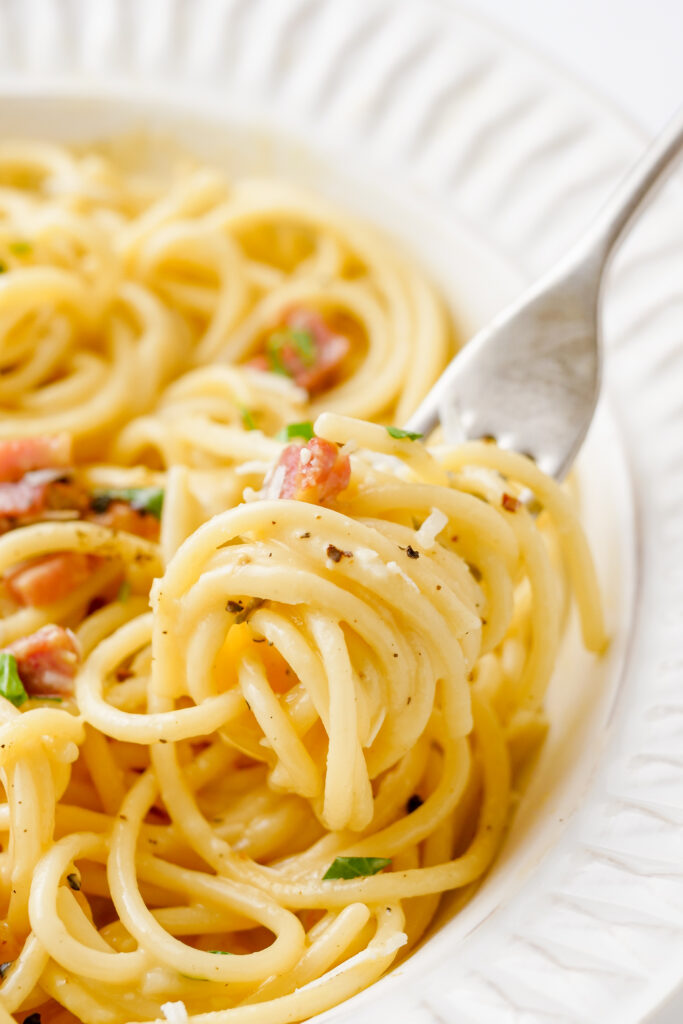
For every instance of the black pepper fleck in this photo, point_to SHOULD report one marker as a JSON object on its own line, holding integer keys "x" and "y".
{"x": 336, "y": 554}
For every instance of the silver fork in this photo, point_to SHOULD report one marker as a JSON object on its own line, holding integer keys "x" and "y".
{"x": 531, "y": 378}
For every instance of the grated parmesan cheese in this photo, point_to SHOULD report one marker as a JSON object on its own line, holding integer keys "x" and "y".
{"x": 367, "y": 558}
{"x": 175, "y": 1013}
{"x": 431, "y": 528}
{"x": 305, "y": 456}
{"x": 273, "y": 485}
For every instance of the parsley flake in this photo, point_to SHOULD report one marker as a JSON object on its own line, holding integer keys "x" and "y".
{"x": 11, "y": 685}
{"x": 356, "y": 867}
{"x": 149, "y": 500}
{"x": 402, "y": 435}
{"x": 293, "y": 430}
{"x": 301, "y": 341}
{"x": 20, "y": 248}
{"x": 247, "y": 419}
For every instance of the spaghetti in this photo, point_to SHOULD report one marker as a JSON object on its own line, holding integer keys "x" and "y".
{"x": 269, "y": 674}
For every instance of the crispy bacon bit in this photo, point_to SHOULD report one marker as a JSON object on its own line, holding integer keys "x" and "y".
{"x": 23, "y": 454}
{"x": 21, "y": 500}
{"x": 37, "y": 496}
{"x": 122, "y": 516}
{"x": 50, "y": 578}
{"x": 509, "y": 503}
{"x": 315, "y": 472}
{"x": 304, "y": 348}
{"x": 47, "y": 661}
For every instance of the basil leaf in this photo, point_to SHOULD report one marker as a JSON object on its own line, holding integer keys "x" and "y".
{"x": 11, "y": 685}
{"x": 356, "y": 867}
{"x": 247, "y": 419}
{"x": 402, "y": 435}
{"x": 293, "y": 430}
{"x": 142, "y": 499}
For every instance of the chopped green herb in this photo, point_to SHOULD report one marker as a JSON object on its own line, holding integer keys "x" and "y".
{"x": 247, "y": 419}
{"x": 3, "y": 267}
{"x": 293, "y": 430}
{"x": 124, "y": 592}
{"x": 221, "y": 952}
{"x": 402, "y": 435}
{"x": 356, "y": 867}
{"x": 301, "y": 341}
{"x": 4, "y": 968}
{"x": 142, "y": 499}
{"x": 20, "y": 248}
{"x": 11, "y": 685}
{"x": 74, "y": 882}
{"x": 52, "y": 700}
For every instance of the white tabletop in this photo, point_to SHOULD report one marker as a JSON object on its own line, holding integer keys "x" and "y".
{"x": 631, "y": 53}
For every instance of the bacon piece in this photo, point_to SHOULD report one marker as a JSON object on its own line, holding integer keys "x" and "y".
{"x": 21, "y": 455}
{"x": 47, "y": 661}
{"x": 51, "y": 577}
{"x": 313, "y": 472}
{"x": 36, "y": 496}
{"x": 310, "y": 370}
{"x": 122, "y": 516}
{"x": 21, "y": 500}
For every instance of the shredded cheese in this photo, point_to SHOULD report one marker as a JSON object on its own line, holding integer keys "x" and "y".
{"x": 175, "y": 1013}
{"x": 431, "y": 528}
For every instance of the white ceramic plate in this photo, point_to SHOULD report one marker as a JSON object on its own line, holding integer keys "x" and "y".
{"x": 487, "y": 164}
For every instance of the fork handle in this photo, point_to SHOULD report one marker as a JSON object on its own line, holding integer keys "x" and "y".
{"x": 637, "y": 185}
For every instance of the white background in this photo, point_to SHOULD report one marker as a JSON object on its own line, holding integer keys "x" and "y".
{"x": 631, "y": 53}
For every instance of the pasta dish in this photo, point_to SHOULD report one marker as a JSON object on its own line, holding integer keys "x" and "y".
{"x": 272, "y": 669}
